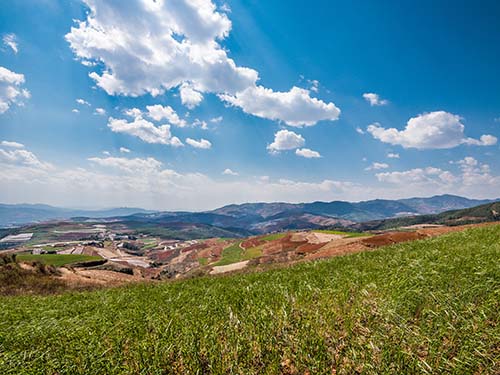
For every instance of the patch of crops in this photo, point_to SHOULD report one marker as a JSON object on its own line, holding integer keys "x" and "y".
{"x": 423, "y": 307}
{"x": 341, "y": 233}
{"x": 57, "y": 260}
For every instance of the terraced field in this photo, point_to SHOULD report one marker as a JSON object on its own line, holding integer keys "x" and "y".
{"x": 427, "y": 306}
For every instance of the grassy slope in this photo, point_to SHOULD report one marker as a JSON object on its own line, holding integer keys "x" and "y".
{"x": 422, "y": 307}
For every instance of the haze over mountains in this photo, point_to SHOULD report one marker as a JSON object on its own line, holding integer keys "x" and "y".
{"x": 253, "y": 217}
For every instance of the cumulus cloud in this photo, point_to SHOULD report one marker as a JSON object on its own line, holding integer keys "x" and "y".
{"x": 307, "y": 153}
{"x": 124, "y": 150}
{"x": 74, "y": 110}
{"x": 229, "y": 172}
{"x": 377, "y": 166}
{"x": 144, "y": 130}
{"x": 360, "y": 131}
{"x": 158, "y": 112}
{"x": 473, "y": 178}
{"x": 202, "y": 143}
{"x": 189, "y": 96}
{"x": 393, "y": 155}
{"x": 374, "y": 99}
{"x": 12, "y": 144}
{"x": 294, "y": 107}
{"x": 155, "y": 46}
{"x": 286, "y": 140}
{"x": 100, "y": 111}
{"x": 11, "y": 91}
{"x": 10, "y": 40}
{"x": 434, "y": 130}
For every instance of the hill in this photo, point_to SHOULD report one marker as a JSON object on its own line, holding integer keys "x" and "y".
{"x": 420, "y": 307}
{"x": 484, "y": 213}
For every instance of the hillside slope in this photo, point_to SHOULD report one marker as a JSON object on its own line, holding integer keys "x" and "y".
{"x": 421, "y": 307}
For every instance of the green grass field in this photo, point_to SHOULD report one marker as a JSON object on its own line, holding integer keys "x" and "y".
{"x": 346, "y": 234}
{"x": 425, "y": 307}
{"x": 57, "y": 260}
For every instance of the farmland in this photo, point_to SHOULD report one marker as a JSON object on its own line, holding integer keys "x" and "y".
{"x": 56, "y": 259}
{"x": 428, "y": 306}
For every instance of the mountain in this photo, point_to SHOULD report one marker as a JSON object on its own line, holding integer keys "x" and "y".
{"x": 17, "y": 214}
{"x": 441, "y": 203}
{"x": 255, "y": 218}
{"x": 355, "y": 211}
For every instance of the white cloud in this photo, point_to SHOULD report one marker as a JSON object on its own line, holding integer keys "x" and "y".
{"x": 359, "y": 130}
{"x": 12, "y": 144}
{"x": 11, "y": 91}
{"x": 216, "y": 120}
{"x": 230, "y": 172}
{"x": 124, "y": 150}
{"x": 428, "y": 175}
{"x": 107, "y": 153}
{"x": 100, "y": 111}
{"x": 434, "y": 130}
{"x": 158, "y": 112}
{"x": 189, "y": 96}
{"x": 377, "y": 166}
{"x": 374, "y": 99}
{"x": 314, "y": 85}
{"x": 21, "y": 157}
{"x": 294, "y": 107}
{"x": 82, "y": 102}
{"x": 144, "y": 182}
{"x": 154, "y": 46}
{"x": 393, "y": 155}
{"x": 9, "y": 40}
{"x": 286, "y": 140}
{"x": 202, "y": 143}
{"x": 484, "y": 140}
{"x": 132, "y": 166}
{"x": 74, "y": 110}
{"x": 133, "y": 112}
{"x": 201, "y": 124}
{"x": 473, "y": 179}
{"x": 307, "y": 153}
{"x": 145, "y": 131}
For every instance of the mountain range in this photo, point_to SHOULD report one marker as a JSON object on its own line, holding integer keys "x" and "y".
{"x": 253, "y": 217}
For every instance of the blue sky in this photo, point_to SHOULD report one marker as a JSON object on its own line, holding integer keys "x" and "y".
{"x": 372, "y": 80}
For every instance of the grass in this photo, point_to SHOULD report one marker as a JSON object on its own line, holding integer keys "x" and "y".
{"x": 234, "y": 253}
{"x": 415, "y": 308}
{"x": 346, "y": 234}
{"x": 231, "y": 254}
{"x": 274, "y": 236}
{"x": 57, "y": 260}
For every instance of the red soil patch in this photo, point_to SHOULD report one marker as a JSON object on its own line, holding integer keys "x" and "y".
{"x": 309, "y": 248}
{"x": 392, "y": 238}
{"x": 251, "y": 242}
{"x": 196, "y": 246}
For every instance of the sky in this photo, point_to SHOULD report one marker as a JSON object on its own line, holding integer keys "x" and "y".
{"x": 194, "y": 104}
